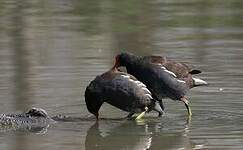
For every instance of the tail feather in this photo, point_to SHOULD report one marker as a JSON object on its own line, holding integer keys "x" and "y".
{"x": 199, "y": 82}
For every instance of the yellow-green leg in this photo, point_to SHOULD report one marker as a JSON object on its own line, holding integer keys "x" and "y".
{"x": 186, "y": 102}
{"x": 142, "y": 114}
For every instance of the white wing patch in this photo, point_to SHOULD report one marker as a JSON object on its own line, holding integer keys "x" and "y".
{"x": 149, "y": 96}
{"x": 170, "y": 72}
{"x": 125, "y": 76}
{"x": 162, "y": 67}
{"x": 139, "y": 84}
{"x": 181, "y": 81}
{"x": 145, "y": 89}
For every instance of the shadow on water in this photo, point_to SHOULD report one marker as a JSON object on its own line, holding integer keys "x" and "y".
{"x": 127, "y": 134}
{"x": 51, "y": 50}
{"x": 20, "y": 57}
{"x": 21, "y": 66}
{"x": 172, "y": 131}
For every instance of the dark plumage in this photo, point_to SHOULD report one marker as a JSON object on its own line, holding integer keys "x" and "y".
{"x": 120, "y": 90}
{"x": 164, "y": 78}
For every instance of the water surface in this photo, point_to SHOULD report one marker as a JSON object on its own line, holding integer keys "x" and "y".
{"x": 51, "y": 50}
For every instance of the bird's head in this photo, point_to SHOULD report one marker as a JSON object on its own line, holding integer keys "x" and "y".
{"x": 93, "y": 100}
{"x": 124, "y": 59}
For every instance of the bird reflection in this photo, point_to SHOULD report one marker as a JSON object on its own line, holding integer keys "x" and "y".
{"x": 129, "y": 135}
{"x": 124, "y": 135}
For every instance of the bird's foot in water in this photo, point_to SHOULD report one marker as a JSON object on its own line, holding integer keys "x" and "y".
{"x": 160, "y": 114}
{"x": 130, "y": 116}
{"x": 186, "y": 102}
{"x": 142, "y": 114}
{"x": 158, "y": 107}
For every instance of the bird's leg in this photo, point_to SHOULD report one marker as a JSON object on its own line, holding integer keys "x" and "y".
{"x": 161, "y": 104}
{"x": 129, "y": 116}
{"x": 142, "y": 114}
{"x": 162, "y": 107}
{"x": 157, "y": 107}
{"x": 186, "y": 102}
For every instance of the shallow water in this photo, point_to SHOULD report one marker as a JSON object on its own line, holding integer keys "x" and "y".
{"x": 51, "y": 50}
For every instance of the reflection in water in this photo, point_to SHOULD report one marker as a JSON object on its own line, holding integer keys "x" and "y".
{"x": 21, "y": 64}
{"x": 54, "y": 48}
{"x": 20, "y": 56}
{"x": 24, "y": 129}
{"x": 96, "y": 139}
{"x": 129, "y": 135}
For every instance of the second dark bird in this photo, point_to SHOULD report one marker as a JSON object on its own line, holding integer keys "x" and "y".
{"x": 164, "y": 78}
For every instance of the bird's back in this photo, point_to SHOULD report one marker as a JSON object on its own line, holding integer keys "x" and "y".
{"x": 123, "y": 91}
{"x": 161, "y": 81}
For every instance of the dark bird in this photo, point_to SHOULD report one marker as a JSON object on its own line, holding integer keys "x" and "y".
{"x": 122, "y": 91}
{"x": 164, "y": 78}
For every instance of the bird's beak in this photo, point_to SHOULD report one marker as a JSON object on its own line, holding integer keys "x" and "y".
{"x": 186, "y": 102}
